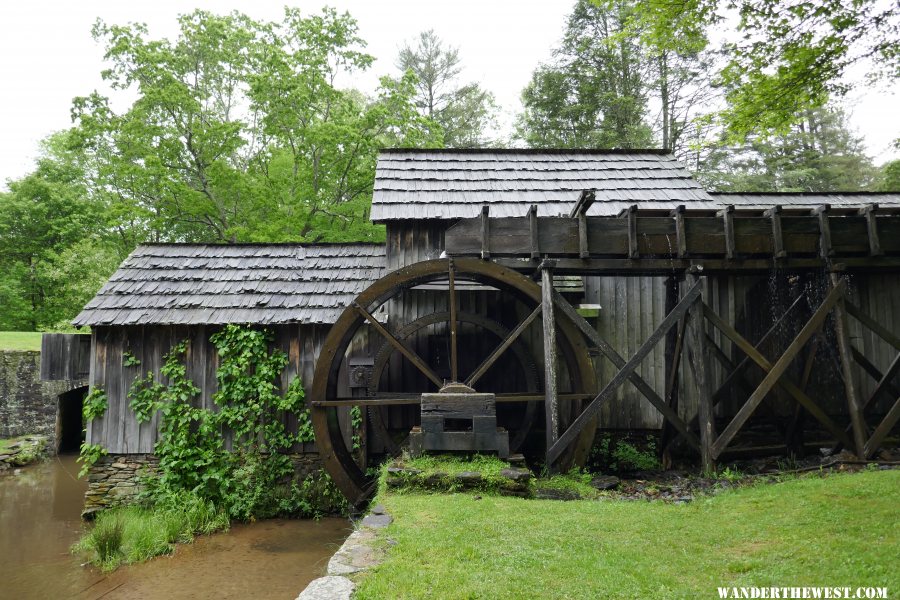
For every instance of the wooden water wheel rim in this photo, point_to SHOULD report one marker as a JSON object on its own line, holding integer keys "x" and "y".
{"x": 324, "y": 401}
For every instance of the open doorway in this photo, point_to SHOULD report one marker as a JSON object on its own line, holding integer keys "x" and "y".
{"x": 69, "y": 422}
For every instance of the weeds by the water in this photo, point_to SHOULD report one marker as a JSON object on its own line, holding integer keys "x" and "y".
{"x": 134, "y": 534}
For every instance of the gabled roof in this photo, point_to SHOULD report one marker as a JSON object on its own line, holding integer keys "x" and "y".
{"x": 450, "y": 184}
{"x": 203, "y": 284}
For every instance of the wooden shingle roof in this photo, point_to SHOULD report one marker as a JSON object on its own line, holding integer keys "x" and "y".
{"x": 203, "y": 284}
{"x": 449, "y": 184}
{"x": 805, "y": 199}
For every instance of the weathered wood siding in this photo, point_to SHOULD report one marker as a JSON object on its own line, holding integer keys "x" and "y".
{"x": 119, "y": 431}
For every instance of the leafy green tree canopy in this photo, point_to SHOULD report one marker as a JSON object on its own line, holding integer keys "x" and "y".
{"x": 788, "y": 56}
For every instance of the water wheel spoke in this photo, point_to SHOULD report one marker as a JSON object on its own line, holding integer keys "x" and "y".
{"x": 392, "y": 399}
{"x": 504, "y": 345}
{"x": 454, "y": 362}
{"x": 414, "y": 358}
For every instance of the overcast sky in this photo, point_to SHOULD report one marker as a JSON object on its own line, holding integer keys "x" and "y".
{"x": 47, "y": 55}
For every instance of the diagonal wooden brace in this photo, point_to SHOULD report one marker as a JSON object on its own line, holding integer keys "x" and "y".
{"x": 776, "y": 372}
{"x": 626, "y": 372}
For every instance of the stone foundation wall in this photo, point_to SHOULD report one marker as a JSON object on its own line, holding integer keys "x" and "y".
{"x": 27, "y": 404}
{"x": 114, "y": 480}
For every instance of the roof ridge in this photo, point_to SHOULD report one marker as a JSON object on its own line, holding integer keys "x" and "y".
{"x": 658, "y": 151}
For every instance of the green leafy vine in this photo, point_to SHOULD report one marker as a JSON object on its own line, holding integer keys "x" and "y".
{"x": 95, "y": 404}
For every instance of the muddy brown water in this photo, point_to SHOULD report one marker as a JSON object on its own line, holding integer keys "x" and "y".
{"x": 40, "y": 520}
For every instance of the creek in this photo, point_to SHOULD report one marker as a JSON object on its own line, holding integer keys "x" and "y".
{"x": 40, "y": 510}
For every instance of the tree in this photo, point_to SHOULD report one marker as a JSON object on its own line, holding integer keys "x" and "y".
{"x": 466, "y": 112}
{"x": 819, "y": 154}
{"x": 239, "y": 132}
{"x": 593, "y": 94}
{"x": 42, "y": 218}
{"x": 787, "y": 57}
{"x": 890, "y": 177}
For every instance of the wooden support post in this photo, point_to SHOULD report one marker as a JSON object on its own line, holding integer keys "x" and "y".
{"x": 485, "y": 233}
{"x": 846, "y": 355}
{"x": 680, "y": 233}
{"x": 699, "y": 360}
{"x": 533, "y": 230}
{"x": 872, "y": 229}
{"x": 728, "y": 226}
{"x": 551, "y": 409}
{"x": 774, "y": 214}
{"x": 825, "y": 249}
{"x": 674, "y": 342}
{"x": 454, "y": 362}
{"x": 632, "y": 232}
{"x": 582, "y": 237}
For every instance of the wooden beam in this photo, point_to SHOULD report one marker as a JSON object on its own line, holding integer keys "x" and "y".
{"x": 884, "y": 383}
{"x": 842, "y": 333}
{"x": 631, "y": 215}
{"x": 626, "y": 373}
{"x": 504, "y": 345}
{"x": 680, "y": 233}
{"x": 728, "y": 225}
{"x": 485, "y": 233}
{"x": 825, "y": 249}
{"x": 882, "y": 332}
{"x": 775, "y": 371}
{"x": 414, "y": 358}
{"x": 699, "y": 361}
{"x": 788, "y": 386}
{"x": 551, "y": 407}
{"x": 533, "y": 231}
{"x": 454, "y": 362}
{"x": 882, "y": 430}
{"x": 868, "y": 212}
{"x": 774, "y": 214}
{"x": 583, "y": 251}
{"x": 584, "y": 202}
{"x": 873, "y": 372}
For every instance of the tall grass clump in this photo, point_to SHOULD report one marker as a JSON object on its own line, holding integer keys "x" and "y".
{"x": 133, "y": 534}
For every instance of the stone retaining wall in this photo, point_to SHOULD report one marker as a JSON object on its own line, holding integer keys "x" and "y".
{"x": 27, "y": 404}
{"x": 114, "y": 480}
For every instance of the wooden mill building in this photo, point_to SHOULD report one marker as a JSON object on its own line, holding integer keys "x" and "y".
{"x": 616, "y": 233}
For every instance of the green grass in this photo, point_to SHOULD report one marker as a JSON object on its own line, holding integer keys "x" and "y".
{"x": 20, "y": 340}
{"x": 135, "y": 534}
{"x": 832, "y": 531}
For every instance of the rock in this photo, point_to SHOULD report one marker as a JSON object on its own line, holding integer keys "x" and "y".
{"x": 469, "y": 478}
{"x": 605, "y": 482}
{"x": 118, "y": 465}
{"x": 356, "y": 554}
{"x": 551, "y": 494}
{"x": 436, "y": 479}
{"x": 378, "y": 509}
{"x": 517, "y": 475}
{"x": 376, "y": 521}
{"x": 516, "y": 460}
{"x": 330, "y": 587}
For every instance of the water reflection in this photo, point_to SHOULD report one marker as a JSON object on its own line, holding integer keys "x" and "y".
{"x": 40, "y": 520}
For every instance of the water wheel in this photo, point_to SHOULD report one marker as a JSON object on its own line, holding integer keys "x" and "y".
{"x": 509, "y": 360}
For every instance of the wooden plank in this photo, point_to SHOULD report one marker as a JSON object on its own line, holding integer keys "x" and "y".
{"x": 884, "y": 383}
{"x": 882, "y": 430}
{"x": 504, "y": 345}
{"x": 551, "y": 407}
{"x": 626, "y": 372}
{"x": 583, "y": 251}
{"x": 774, "y": 214}
{"x": 454, "y": 363}
{"x": 728, "y": 224}
{"x": 699, "y": 361}
{"x": 873, "y": 371}
{"x": 680, "y": 233}
{"x": 485, "y": 233}
{"x": 882, "y": 332}
{"x": 533, "y": 230}
{"x": 842, "y": 333}
{"x": 825, "y": 248}
{"x": 631, "y": 215}
{"x": 776, "y": 371}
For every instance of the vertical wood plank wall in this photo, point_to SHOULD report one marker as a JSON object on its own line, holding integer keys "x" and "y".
{"x": 119, "y": 431}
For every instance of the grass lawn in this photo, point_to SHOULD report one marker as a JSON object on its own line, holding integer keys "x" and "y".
{"x": 20, "y": 340}
{"x": 833, "y": 531}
